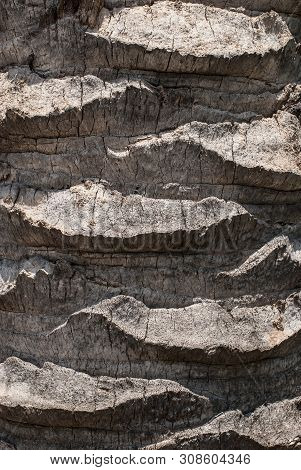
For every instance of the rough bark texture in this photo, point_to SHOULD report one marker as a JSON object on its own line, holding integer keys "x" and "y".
{"x": 150, "y": 211}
